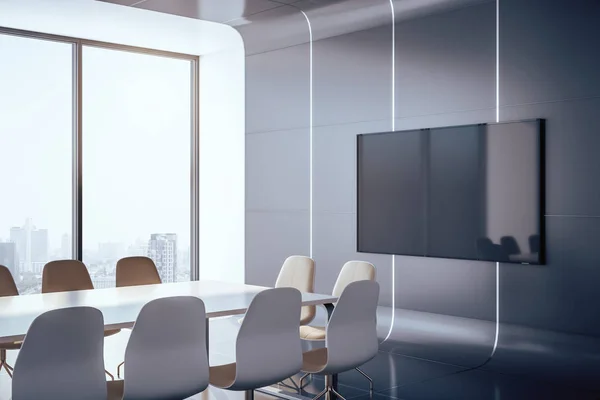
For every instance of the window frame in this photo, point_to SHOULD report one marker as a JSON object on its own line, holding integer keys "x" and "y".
{"x": 77, "y": 134}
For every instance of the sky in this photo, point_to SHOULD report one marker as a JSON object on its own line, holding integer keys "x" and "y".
{"x": 136, "y": 142}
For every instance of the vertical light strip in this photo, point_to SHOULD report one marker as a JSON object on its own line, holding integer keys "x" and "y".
{"x": 393, "y": 129}
{"x": 496, "y": 336}
{"x": 497, "y": 60}
{"x": 310, "y": 136}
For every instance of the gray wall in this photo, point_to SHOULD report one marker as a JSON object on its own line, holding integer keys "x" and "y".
{"x": 445, "y": 75}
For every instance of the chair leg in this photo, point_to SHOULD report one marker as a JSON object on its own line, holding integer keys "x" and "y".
{"x": 337, "y": 394}
{"x": 302, "y": 378}
{"x": 249, "y": 394}
{"x": 324, "y": 392}
{"x": 369, "y": 378}
{"x": 112, "y": 377}
{"x": 119, "y": 369}
{"x": 3, "y": 364}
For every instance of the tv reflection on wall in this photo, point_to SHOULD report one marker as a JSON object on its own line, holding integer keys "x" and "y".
{"x": 467, "y": 192}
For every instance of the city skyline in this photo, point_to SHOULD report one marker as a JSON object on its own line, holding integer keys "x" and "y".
{"x": 26, "y": 256}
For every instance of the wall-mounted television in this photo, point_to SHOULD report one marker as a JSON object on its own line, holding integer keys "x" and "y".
{"x": 468, "y": 192}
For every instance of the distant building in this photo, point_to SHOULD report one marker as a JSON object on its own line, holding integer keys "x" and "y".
{"x": 32, "y": 246}
{"x": 139, "y": 248}
{"x": 9, "y": 257}
{"x": 162, "y": 248}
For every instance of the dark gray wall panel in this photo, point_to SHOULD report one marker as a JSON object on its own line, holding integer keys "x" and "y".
{"x": 277, "y": 170}
{"x": 446, "y": 62}
{"x": 353, "y": 77}
{"x": 440, "y": 120}
{"x": 271, "y": 237}
{"x": 549, "y": 50}
{"x": 572, "y": 162}
{"x": 563, "y": 295}
{"x": 277, "y": 90}
{"x": 334, "y": 164}
{"x": 454, "y": 287}
{"x": 335, "y": 243}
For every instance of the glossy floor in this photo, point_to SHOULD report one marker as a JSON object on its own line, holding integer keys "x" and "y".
{"x": 396, "y": 376}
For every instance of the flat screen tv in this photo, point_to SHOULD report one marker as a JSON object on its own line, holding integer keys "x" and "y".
{"x": 467, "y": 192}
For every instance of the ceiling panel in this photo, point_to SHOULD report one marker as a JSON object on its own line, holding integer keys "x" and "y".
{"x": 208, "y": 10}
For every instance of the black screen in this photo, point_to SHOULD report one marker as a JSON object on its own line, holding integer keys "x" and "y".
{"x": 468, "y": 192}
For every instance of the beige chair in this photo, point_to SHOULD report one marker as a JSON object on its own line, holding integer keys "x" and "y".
{"x": 7, "y": 288}
{"x": 298, "y": 272}
{"x": 68, "y": 276}
{"x": 136, "y": 271}
{"x": 352, "y": 271}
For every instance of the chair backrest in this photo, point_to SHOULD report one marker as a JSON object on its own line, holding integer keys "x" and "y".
{"x": 299, "y": 272}
{"x": 62, "y": 357}
{"x": 351, "y": 336}
{"x": 353, "y": 271}
{"x": 65, "y": 276}
{"x": 172, "y": 332}
{"x": 510, "y": 245}
{"x": 136, "y": 271}
{"x": 7, "y": 283}
{"x": 268, "y": 347}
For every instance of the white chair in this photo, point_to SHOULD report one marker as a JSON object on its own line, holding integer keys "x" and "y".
{"x": 298, "y": 272}
{"x": 172, "y": 332}
{"x": 268, "y": 349}
{"x": 351, "y": 335}
{"x": 352, "y": 271}
{"x": 62, "y": 357}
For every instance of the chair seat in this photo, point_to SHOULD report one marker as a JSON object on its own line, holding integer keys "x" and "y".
{"x": 314, "y": 361}
{"x": 223, "y": 376}
{"x": 111, "y": 332}
{"x": 312, "y": 332}
{"x": 115, "y": 389}
{"x": 11, "y": 346}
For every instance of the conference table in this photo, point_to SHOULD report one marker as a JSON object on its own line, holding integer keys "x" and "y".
{"x": 121, "y": 306}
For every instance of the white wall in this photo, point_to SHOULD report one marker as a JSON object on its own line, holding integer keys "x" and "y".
{"x": 222, "y": 94}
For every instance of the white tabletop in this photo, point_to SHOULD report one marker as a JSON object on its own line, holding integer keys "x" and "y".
{"x": 121, "y": 306}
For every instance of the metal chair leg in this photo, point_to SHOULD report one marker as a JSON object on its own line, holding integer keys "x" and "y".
{"x": 4, "y": 364}
{"x": 337, "y": 394}
{"x": 369, "y": 378}
{"x": 249, "y": 394}
{"x": 302, "y": 378}
{"x": 119, "y": 369}
{"x": 112, "y": 377}
{"x": 324, "y": 392}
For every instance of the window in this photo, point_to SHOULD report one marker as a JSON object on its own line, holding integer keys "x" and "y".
{"x": 36, "y": 156}
{"x": 137, "y": 128}
{"x": 136, "y": 155}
